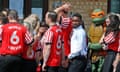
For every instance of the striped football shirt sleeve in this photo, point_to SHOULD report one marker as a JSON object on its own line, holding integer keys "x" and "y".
{"x": 48, "y": 37}
{"x": 28, "y": 37}
{"x": 1, "y": 30}
{"x": 109, "y": 38}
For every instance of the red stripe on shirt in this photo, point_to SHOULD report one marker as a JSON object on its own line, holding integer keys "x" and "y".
{"x": 28, "y": 37}
{"x": 49, "y": 36}
{"x": 119, "y": 44}
{"x": 109, "y": 38}
{"x": 65, "y": 22}
{"x": 1, "y": 30}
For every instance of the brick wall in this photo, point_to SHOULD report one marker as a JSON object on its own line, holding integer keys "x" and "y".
{"x": 84, "y": 7}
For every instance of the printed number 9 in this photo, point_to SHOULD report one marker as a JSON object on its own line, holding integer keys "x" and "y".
{"x": 14, "y": 38}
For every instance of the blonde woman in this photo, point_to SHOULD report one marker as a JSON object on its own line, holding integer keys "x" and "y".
{"x": 35, "y": 23}
{"x": 29, "y": 56}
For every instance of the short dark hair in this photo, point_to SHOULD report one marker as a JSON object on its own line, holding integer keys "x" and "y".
{"x": 77, "y": 15}
{"x": 1, "y": 15}
{"x": 13, "y": 14}
{"x": 6, "y": 10}
{"x": 43, "y": 24}
{"x": 52, "y": 15}
{"x": 3, "y": 18}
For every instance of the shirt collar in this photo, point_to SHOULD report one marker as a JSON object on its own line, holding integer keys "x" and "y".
{"x": 79, "y": 27}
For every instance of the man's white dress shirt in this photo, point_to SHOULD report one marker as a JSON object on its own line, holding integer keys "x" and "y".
{"x": 78, "y": 43}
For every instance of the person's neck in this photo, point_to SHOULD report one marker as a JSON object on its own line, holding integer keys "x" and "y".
{"x": 65, "y": 15}
{"x": 12, "y": 20}
{"x": 52, "y": 24}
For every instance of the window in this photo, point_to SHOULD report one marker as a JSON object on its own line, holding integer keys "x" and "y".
{"x": 18, "y": 6}
{"x": 37, "y": 8}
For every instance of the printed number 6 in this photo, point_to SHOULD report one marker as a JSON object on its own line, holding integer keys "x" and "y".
{"x": 14, "y": 38}
{"x": 59, "y": 43}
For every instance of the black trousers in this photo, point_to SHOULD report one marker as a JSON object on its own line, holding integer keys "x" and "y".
{"x": 77, "y": 65}
{"x": 62, "y": 69}
{"x": 29, "y": 66}
{"x": 52, "y": 69}
{"x": 10, "y": 63}
{"x": 110, "y": 57}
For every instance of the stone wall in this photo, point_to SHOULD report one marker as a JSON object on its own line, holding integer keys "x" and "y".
{"x": 84, "y": 7}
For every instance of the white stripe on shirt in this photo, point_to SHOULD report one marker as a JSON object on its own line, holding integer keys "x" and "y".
{"x": 28, "y": 37}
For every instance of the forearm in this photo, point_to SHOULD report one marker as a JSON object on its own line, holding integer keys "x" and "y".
{"x": 46, "y": 54}
{"x": 63, "y": 54}
{"x": 101, "y": 40}
{"x": 57, "y": 10}
{"x": 39, "y": 56}
{"x": 117, "y": 57}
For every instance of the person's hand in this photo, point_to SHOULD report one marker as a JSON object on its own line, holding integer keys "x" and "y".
{"x": 115, "y": 63}
{"x": 65, "y": 63}
{"x": 66, "y": 6}
{"x": 104, "y": 47}
{"x": 30, "y": 51}
{"x": 44, "y": 67}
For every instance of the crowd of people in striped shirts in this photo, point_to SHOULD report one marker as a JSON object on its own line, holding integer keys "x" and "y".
{"x": 60, "y": 44}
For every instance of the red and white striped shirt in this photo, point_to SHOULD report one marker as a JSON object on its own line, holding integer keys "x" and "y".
{"x": 1, "y": 32}
{"x": 14, "y": 37}
{"x": 53, "y": 36}
{"x": 28, "y": 37}
{"x": 112, "y": 41}
{"x": 66, "y": 22}
{"x": 47, "y": 38}
{"x": 67, "y": 30}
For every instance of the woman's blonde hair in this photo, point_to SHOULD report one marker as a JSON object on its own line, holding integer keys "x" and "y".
{"x": 34, "y": 21}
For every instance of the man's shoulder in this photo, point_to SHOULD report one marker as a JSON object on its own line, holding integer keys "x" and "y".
{"x": 20, "y": 25}
{"x": 54, "y": 28}
{"x": 81, "y": 31}
{"x": 15, "y": 26}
